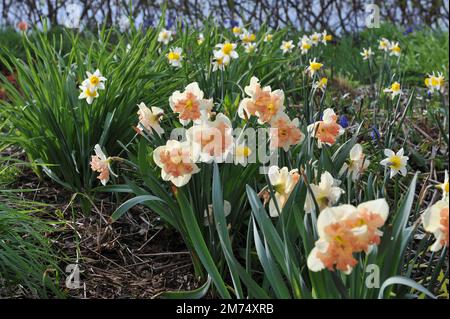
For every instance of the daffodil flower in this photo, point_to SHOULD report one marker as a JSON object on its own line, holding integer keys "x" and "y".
{"x": 241, "y": 153}
{"x": 149, "y": 118}
{"x": 395, "y": 49}
{"x": 326, "y": 37}
{"x": 304, "y": 44}
{"x": 177, "y": 161}
{"x": 327, "y": 130}
{"x": 321, "y": 84}
{"x": 227, "y": 51}
{"x": 435, "y": 221}
{"x": 262, "y": 102}
{"x": 88, "y": 93}
{"x": 326, "y": 193}
{"x": 284, "y": 133}
{"x": 251, "y": 48}
{"x": 357, "y": 163}
{"x": 313, "y": 67}
{"x": 395, "y": 90}
{"x": 315, "y": 38}
{"x": 237, "y": 31}
{"x": 435, "y": 82}
{"x": 200, "y": 39}
{"x": 247, "y": 37}
{"x": 344, "y": 231}
{"x": 165, "y": 36}
{"x": 214, "y": 139}
{"x": 384, "y": 44}
{"x": 190, "y": 103}
{"x": 367, "y": 53}
{"x": 219, "y": 64}
{"x": 175, "y": 56}
{"x": 283, "y": 182}
{"x": 101, "y": 164}
{"x": 268, "y": 37}
{"x": 287, "y": 46}
{"x": 95, "y": 80}
{"x": 396, "y": 162}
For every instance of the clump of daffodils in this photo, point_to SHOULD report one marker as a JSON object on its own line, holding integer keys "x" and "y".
{"x": 165, "y": 36}
{"x": 327, "y": 130}
{"x": 344, "y": 231}
{"x": 175, "y": 56}
{"x": 90, "y": 86}
{"x": 396, "y": 162}
{"x": 435, "y": 82}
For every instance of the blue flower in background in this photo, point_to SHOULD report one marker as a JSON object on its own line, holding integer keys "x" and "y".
{"x": 233, "y": 23}
{"x": 343, "y": 121}
{"x": 375, "y": 134}
{"x": 408, "y": 30}
{"x": 148, "y": 23}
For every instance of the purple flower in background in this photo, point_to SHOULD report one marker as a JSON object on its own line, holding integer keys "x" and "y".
{"x": 408, "y": 30}
{"x": 375, "y": 134}
{"x": 233, "y": 23}
{"x": 148, "y": 23}
{"x": 343, "y": 121}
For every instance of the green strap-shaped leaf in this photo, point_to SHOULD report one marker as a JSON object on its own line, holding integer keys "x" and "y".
{"x": 399, "y": 280}
{"x": 122, "y": 209}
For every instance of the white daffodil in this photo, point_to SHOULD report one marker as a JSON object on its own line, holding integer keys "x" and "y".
{"x": 190, "y": 103}
{"x": 344, "y": 231}
{"x": 326, "y": 37}
{"x": 357, "y": 163}
{"x": 247, "y": 37}
{"x": 305, "y": 44}
{"x": 395, "y": 90}
{"x": 315, "y": 38}
{"x": 321, "y": 84}
{"x": 287, "y": 46}
{"x": 367, "y": 53}
{"x": 435, "y": 221}
{"x": 226, "y": 51}
{"x": 219, "y": 64}
{"x": 200, "y": 39}
{"x": 268, "y": 37}
{"x": 435, "y": 82}
{"x": 165, "y": 36}
{"x": 88, "y": 93}
{"x": 384, "y": 44}
{"x": 326, "y": 194}
{"x": 395, "y": 49}
{"x": 175, "y": 56}
{"x": 396, "y": 162}
{"x": 262, "y": 102}
{"x": 95, "y": 80}
{"x": 149, "y": 118}
{"x": 214, "y": 139}
{"x": 313, "y": 67}
{"x": 177, "y": 161}
{"x": 283, "y": 182}
{"x": 241, "y": 153}
{"x": 251, "y": 48}
{"x": 237, "y": 31}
